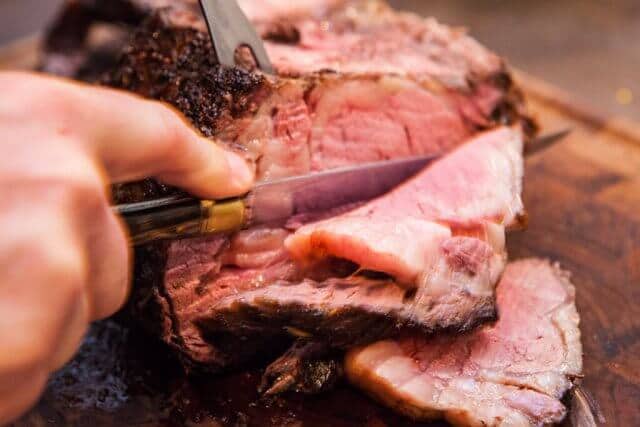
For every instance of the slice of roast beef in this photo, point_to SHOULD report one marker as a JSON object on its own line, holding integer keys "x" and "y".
{"x": 321, "y": 111}
{"x": 438, "y": 239}
{"x": 401, "y": 233}
{"x": 512, "y": 373}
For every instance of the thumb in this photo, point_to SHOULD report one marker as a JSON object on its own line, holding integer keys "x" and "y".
{"x": 134, "y": 138}
{"x": 147, "y": 138}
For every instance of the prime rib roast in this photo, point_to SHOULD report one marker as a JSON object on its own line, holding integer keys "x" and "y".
{"x": 356, "y": 82}
{"x": 434, "y": 259}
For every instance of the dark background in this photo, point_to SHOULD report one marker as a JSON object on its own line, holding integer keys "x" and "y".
{"x": 589, "y": 47}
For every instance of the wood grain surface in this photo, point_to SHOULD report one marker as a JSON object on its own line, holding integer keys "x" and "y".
{"x": 583, "y": 197}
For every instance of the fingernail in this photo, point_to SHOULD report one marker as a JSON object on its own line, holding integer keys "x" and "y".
{"x": 242, "y": 175}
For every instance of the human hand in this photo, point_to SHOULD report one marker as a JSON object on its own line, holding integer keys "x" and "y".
{"x": 64, "y": 257}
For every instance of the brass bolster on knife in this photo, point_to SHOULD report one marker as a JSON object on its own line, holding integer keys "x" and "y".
{"x": 221, "y": 217}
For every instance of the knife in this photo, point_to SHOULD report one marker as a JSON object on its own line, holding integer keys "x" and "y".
{"x": 272, "y": 202}
{"x": 275, "y": 202}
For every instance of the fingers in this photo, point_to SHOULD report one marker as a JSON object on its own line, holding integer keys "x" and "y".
{"x": 134, "y": 138}
{"x": 19, "y": 392}
{"x": 64, "y": 257}
{"x": 71, "y": 338}
{"x": 146, "y": 138}
{"x": 99, "y": 235}
{"x": 65, "y": 180}
{"x": 64, "y": 262}
{"x": 109, "y": 261}
{"x": 41, "y": 291}
{"x": 211, "y": 173}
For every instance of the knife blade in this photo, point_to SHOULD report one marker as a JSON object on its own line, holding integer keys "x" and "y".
{"x": 323, "y": 191}
{"x": 585, "y": 411}
{"x": 272, "y": 202}
{"x": 546, "y": 141}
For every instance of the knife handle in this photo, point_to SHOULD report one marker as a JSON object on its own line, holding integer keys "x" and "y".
{"x": 189, "y": 218}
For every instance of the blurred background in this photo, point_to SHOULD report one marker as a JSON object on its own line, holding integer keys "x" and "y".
{"x": 591, "y": 48}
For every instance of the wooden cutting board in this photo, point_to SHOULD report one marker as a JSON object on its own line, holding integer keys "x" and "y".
{"x": 583, "y": 197}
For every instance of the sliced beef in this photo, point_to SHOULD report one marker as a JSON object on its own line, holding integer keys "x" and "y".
{"x": 321, "y": 111}
{"x": 441, "y": 256}
{"x": 403, "y": 233}
{"x": 512, "y": 373}
{"x": 172, "y": 277}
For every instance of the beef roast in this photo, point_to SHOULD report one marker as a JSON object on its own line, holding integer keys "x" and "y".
{"x": 357, "y": 82}
{"x": 512, "y": 373}
{"x": 441, "y": 256}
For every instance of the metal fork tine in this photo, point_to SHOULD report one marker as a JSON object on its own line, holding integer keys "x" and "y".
{"x": 230, "y": 29}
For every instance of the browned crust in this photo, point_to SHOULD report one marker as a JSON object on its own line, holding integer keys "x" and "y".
{"x": 357, "y": 322}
